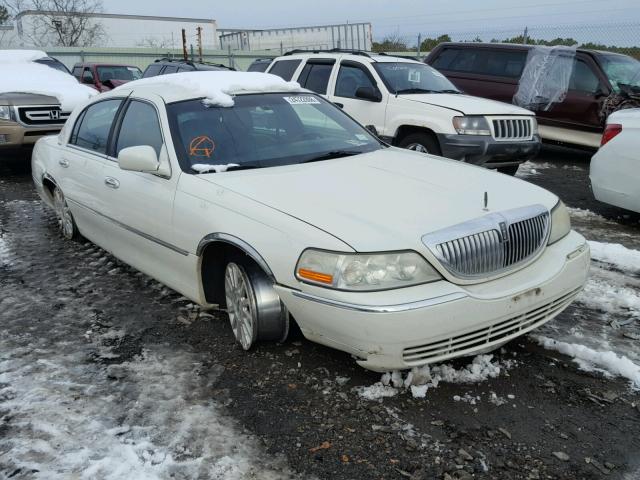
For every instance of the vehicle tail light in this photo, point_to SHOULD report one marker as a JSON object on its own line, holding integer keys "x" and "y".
{"x": 610, "y": 131}
{"x": 315, "y": 276}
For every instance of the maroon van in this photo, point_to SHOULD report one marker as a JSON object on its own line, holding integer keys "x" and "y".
{"x": 105, "y": 76}
{"x": 599, "y": 83}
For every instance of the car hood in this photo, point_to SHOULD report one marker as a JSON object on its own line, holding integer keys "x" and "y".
{"x": 467, "y": 104}
{"x": 384, "y": 200}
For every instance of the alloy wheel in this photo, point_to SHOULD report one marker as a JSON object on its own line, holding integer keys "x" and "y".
{"x": 417, "y": 147}
{"x": 65, "y": 219}
{"x": 241, "y": 305}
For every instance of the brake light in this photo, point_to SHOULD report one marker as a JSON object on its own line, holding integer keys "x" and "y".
{"x": 610, "y": 131}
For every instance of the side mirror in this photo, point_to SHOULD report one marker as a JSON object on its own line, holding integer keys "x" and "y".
{"x": 368, "y": 93}
{"x": 142, "y": 158}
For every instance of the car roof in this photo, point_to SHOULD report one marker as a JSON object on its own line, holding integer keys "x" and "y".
{"x": 366, "y": 57}
{"x": 100, "y": 64}
{"x": 178, "y": 87}
{"x": 508, "y": 46}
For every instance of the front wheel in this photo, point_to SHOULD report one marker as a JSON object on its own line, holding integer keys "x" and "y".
{"x": 254, "y": 308}
{"x": 66, "y": 222}
{"x": 421, "y": 142}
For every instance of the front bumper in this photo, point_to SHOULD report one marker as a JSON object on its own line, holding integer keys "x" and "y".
{"x": 485, "y": 150}
{"x": 409, "y": 327}
{"x": 14, "y": 135}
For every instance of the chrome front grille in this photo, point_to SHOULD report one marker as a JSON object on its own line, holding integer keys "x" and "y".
{"x": 491, "y": 244}
{"x": 512, "y": 129}
{"x": 41, "y": 115}
{"x": 495, "y": 333}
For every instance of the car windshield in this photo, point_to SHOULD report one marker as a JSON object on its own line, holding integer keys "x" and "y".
{"x": 621, "y": 70}
{"x": 409, "y": 77}
{"x": 119, "y": 72}
{"x": 264, "y": 130}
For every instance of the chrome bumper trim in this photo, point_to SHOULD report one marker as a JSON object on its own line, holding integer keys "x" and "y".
{"x": 402, "y": 307}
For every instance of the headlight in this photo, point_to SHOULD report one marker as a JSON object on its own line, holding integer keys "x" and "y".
{"x": 534, "y": 126}
{"x": 364, "y": 272}
{"x": 5, "y": 112}
{"x": 560, "y": 222}
{"x": 472, "y": 125}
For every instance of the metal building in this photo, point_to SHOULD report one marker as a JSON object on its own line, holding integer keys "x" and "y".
{"x": 124, "y": 31}
{"x": 348, "y": 35}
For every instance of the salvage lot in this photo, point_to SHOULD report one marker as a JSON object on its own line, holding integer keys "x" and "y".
{"x": 107, "y": 374}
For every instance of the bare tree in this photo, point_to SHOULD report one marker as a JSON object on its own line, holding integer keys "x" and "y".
{"x": 67, "y": 23}
{"x": 4, "y": 14}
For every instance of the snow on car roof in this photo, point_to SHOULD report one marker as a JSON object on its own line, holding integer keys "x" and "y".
{"x": 20, "y": 56}
{"x": 216, "y": 87}
{"x": 21, "y": 75}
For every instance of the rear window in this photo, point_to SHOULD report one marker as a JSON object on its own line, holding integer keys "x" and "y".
{"x": 285, "y": 68}
{"x": 498, "y": 63}
{"x": 259, "y": 66}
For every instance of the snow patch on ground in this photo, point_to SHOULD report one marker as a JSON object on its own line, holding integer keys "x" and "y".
{"x": 529, "y": 168}
{"x": 616, "y": 254}
{"x": 420, "y": 379}
{"x": 42, "y": 80}
{"x": 149, "y": 418}
{"x": 592, "y": 360}
{"x": 585, "y": 214}
{"x": 218, "y": 87}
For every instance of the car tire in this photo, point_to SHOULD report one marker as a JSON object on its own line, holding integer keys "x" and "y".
{"x": 509, "y": 170}
{"x": 66, "y": 222}
{"x": 421, "y": 142}
{"x": 253, "y": 306}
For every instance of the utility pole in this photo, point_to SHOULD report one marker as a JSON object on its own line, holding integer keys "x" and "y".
{"x": 200, "y": 43}
{"x": 184, "y": 45}
{"x": 525, "y": 38}
{"x": 419, "y": 44}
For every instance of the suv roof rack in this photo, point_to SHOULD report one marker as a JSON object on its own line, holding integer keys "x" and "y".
{"x": 332, "y": 50}
{"x": 190, "y": 62}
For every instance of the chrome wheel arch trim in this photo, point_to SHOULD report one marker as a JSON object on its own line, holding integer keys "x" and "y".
{"x": 220, "y": 237}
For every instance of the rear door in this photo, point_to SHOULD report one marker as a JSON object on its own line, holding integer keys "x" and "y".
{"x": 482, "y": 71}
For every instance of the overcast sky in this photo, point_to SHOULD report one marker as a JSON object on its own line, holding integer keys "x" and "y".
{"x": 405, "y": 16}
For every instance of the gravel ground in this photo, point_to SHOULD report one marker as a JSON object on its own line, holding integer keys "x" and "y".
{"x": 104, "y": 373}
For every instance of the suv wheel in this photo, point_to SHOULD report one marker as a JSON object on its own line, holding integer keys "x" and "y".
{"x": 254, "y": 308}
{"x": 421, "y": 142}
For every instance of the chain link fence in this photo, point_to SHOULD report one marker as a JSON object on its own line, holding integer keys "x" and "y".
{"x": 615, "y": 37}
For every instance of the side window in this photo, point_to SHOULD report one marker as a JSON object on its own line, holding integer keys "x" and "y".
{"x": 152, "y": 70}
{"x": 350, "y": 78}
{"x": 315, "y": 77}
{"x": 505, "y": 63}
{"x": 170, "y": 69}
{"x": 583, "y": 78}
{"x": 285, "y": 68}
{"x": 93, "y": 126}
{"x": 140, "y": 126}
{"x": 444, "y": 59}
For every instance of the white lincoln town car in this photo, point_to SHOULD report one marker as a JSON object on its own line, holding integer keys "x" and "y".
{"x": 246, "y": 191}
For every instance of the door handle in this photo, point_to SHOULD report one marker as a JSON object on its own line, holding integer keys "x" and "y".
{"x": 63, "y": 163}
{"x": 111, "y": 182}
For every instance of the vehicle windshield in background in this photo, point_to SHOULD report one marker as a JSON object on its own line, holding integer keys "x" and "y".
{"x": 621, "y": 70}
{"x": 264, "y": 130}
{"x": 117, "y": 72}
{"x": 404, "y": 77}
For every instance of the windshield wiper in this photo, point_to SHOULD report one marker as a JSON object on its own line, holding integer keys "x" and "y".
{"x": 415, "y": 90}
{"x": 331, "y": 155}
{"x": 448, "y": 91}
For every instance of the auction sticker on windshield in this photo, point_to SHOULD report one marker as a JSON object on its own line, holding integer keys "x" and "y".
{"x": 302, "y": 100}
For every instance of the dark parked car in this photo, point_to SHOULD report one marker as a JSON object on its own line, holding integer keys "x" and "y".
{"x": 163, "y": 66}
{"x": 260, "y": 65}
{"x": 598, "y": 83}
{"x": 105, "y": 76}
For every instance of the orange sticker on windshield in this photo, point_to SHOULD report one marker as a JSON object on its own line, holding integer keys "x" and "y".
{"x": 201, "y": 146}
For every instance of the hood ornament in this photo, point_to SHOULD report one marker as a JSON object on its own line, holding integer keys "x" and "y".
{"x": 486, "y": 201}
